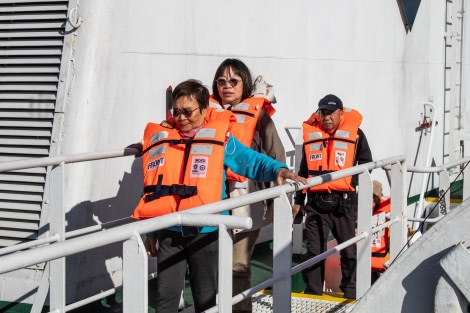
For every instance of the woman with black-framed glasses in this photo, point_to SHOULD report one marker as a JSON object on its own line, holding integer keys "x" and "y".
{"x": 233, "y": 89}
{"x": 183, "y": 163}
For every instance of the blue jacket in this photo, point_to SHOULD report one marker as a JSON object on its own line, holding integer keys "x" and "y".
{"x": 246, "y": 162}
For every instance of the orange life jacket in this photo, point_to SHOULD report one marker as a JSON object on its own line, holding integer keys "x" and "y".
{"x": 247, "y": 113}
{"x": 380, "y": 246}
{"x": 266, "y": 106}
{"x": 181, "y": 173}
{"x": 326, "y": 153}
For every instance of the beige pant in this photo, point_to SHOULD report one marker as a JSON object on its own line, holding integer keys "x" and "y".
{"x": 243, "y": 246}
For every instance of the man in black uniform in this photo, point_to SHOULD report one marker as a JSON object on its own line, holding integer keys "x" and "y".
{"x": 332, "y": 141}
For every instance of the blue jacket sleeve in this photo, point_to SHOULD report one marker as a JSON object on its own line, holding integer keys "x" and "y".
{"x": 249, "y": 163}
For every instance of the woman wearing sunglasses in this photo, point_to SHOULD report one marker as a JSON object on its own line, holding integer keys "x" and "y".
{"x": 233, "y": 89}
{"x": 183, "y": 162}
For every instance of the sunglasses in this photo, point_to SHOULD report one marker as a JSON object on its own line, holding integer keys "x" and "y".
{"x": 232, "y": 81}
{"x": 186, "y": 112}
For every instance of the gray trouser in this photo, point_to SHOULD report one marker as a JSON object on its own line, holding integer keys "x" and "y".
{"x": 175, "y": 253}
{"x": 243, "y": 246}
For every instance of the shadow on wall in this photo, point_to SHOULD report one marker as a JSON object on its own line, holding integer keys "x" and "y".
{"x": 100, "y": 269}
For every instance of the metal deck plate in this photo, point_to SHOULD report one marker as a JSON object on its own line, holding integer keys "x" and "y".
{"x": 300, "y": 303}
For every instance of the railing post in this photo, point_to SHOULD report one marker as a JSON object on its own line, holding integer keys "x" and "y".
{"x": 225, "y": 269}
{"x": 398, "y": 231}
{"x": 363, "y": 276}
{"x": 57, "y": 226}
{"x": 282, "y": 254}
{"x": 466, "y": 182}
{"x": 134, "y": 276}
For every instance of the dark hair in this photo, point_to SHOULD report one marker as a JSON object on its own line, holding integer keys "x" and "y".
{"x": 376, "y": 200}
{"x": 192, "y": 88}
{"x": 239, "y": 68}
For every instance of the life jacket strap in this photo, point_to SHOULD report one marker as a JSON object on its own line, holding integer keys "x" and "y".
{"x": 379, "y": 254}
{"x": 157, "y": 191}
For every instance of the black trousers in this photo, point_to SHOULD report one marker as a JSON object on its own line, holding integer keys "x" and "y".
{"x": 318, "y": 225}
{"x": 175, "y": 252}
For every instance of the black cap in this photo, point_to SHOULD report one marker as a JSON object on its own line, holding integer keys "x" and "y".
{"x": 330, "y": 102}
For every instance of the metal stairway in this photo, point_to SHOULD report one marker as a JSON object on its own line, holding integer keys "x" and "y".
{"x": 301, "y": 303}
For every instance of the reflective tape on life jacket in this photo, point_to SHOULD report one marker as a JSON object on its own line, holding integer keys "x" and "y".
{"x": 326, "y": 153}
{"x": 247, "y": 113}
{"x": 266, "y": 106}
{"x": 183, "y": 173}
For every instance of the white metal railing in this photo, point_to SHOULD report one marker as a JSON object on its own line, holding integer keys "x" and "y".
{"x": 444, "y": 188}
{"x": 135, "y": 258}
{"x": 430, "y": 118}
{"x": 70, "y": 234}
{"x": 64, "y": 159}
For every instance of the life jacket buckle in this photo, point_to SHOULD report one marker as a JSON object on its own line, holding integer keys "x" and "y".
{"x": 178, "y": 190}
{"x": 183, "y": 191}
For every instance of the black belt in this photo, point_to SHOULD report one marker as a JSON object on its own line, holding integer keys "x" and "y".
{"x": 189, "y": 231}
{"x": 157, "y": 191}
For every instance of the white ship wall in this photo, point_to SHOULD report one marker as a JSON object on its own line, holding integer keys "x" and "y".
{"x": 126, "y": 53}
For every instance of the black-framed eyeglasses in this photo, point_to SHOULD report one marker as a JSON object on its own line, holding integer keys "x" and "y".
{"x": 232, "y": 81}
{"x": 186, "y": 112}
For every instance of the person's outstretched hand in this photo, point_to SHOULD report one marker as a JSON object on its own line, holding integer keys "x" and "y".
{"x": 283, "y": 174}
{"x": 138, "y": 147}
{"x": 151, "y": 246}
{"x": 296, "y": 208}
